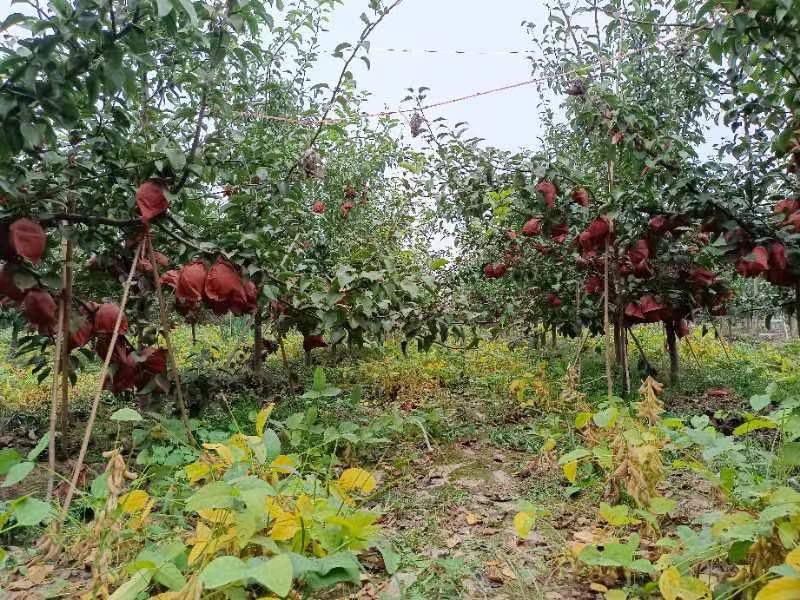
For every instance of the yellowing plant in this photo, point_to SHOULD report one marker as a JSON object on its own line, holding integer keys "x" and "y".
{"x": 258, "y": 519}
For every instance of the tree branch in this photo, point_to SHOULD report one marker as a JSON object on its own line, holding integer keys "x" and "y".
{"x": 364, "y": 35}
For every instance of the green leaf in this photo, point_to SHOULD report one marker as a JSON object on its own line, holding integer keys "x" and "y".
{"x": 126, "y": 415}
{"x": 137, "y": 584}
{"x": 31, "y": 511}
{"x": 223, "y": 571}
{"x": 576, "y": 454}
{"x": 40, "y": 446}
{"x": 175, "y": 156}
{"x": 164, "y": 8}
{"x": 17, "y": 473}
{"x": 606, "y": 418}
{"x": 272, "y": 443}
{"x": 391, "y": 559}
{"x": 333, "y": 569}
{"x": 188, "y": 8}
{"x": 217, "y": 494}
{"x": 790, "y": 454}
{"x": 8, "y": 458}
{"x": 274, "y": 574}
{"x": 754, "y": 425}
{"x": 319, "y": 379}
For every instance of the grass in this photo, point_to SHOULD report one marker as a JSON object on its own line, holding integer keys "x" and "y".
{"x": 486, "y": 412}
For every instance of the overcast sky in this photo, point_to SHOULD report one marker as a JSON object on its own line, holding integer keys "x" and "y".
{"x": 506, "y": 119}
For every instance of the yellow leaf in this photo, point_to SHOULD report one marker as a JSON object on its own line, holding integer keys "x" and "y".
{"x": 263, "y": 417}
{"x": 139, "y": 520}
{"x": 549, "y": 445}
{"x": 674, "y": 586}
{"x": 286, "y": 525}
{"x": 282, "y": 464}
{"x": 134, "y": 501}
{"x": 669, "y": 583}
{"x": 357, "y": 479}
{"x": 793, "y": 559}
{"x": 304, "y": 505}
{"x": 216, "y": 515}
{"x": 205, "y": 542}
{"x": 571, "y": 471}
{"x": 784, "y": 588}
{"x": 616, "y": 595}
{"x": 472, "y": 518}
{"x": 523, "y": 523}
{"x": 598, "y": 587}
{"x": 197, "y": 470}
{"x": 222, "y": 450}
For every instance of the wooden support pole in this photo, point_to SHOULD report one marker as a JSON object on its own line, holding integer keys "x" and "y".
{"x": 162, "y": 310}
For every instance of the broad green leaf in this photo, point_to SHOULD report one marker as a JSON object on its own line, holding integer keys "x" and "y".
{"x": 576, "y": 454}
{"x": 274, "y": 574}
{"x": 126, "y": 415}
{"x": 8, "y": 458}
{"x": 391, "y": 559}
{"x": 217, "y": 494}
{"x": 137, "y": 584}
{"x": 223, "y": 571}
{"x": 40, "y": 446}
{"x": 164, "y": 8}
{"x": 31, "y": 511}
{"x": 17, "y": 473}
{"x": 754, "y": 425}
{"x": 272, "y": 443}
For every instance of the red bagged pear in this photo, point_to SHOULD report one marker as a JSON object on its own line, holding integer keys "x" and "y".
{"x": 170, "y": 278}
{"x": 9, "y": 289}
{"x": 191, "y": 282}
{"x": 532, "y": 227}
{"x": 553, "y": 300}
{"x": 777, "y": 257}
{"x": 27, "y": 239}
{"x": 754, "y": 263}
{"x": 593, "y": 285}
{"x": 153, "y": 360}
{"x": 223, "y": 288}
{"x": 81, "y": 332}
{"x": 558, "y": 233}
{"x": 703, "y": 277}
{"x": 313, "y": 341}
{"x": 39, "y": 308}
{"x": 548, "y": 191}
{"x": 581, "y": 197}
{"x": 105, "y": 319}
{"x": 151, "y": 201}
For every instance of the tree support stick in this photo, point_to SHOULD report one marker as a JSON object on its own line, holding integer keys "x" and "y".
{"x": 76, "y": 473}
{"x": 66, "y": 296}
{"x": 641, "y": 351}
{"x": 51, "y": 448}
{"x": 607, "y": 328}
{"x": 162, "y": 309}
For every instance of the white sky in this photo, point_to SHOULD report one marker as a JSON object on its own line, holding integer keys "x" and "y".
{"x": 507, "y": 119}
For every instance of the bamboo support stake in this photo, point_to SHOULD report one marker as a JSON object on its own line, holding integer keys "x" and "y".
{"x": 607, "y": 328}
{"x": 57, "y": 357}
{"x": 66, "y": 295}
{"x": 162, "y": 309}
{"x": 99, "y": 392}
